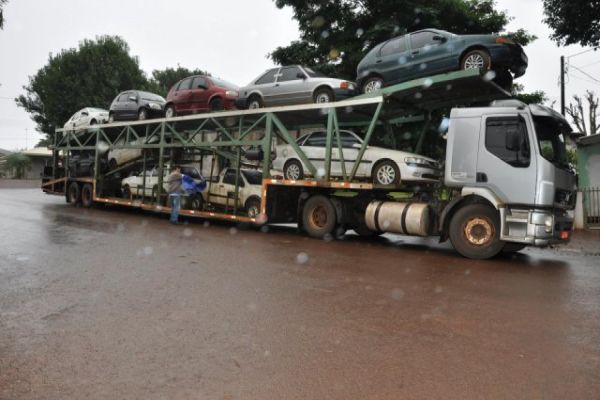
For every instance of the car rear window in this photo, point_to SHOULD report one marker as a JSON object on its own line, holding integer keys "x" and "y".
{"x": 224, "y": 84}
{"x": 151, "y": 97}
{"x": 394, "y": 46}
{"x": 314, "y": 74}
{"x": 268, "y": 77}
{"x": 185, "y": 84}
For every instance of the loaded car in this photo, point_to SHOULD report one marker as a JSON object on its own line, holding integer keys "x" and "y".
{"x": 199, "y": 94}
{"x": 431, "y": 51}
{"x": 81, "y": 163}
{"x": 383, "y": 166}
{"x": 120, "y": 156}
{"x": 85, "y": 118}
{"x": 222, "y": 192}
{"x": 293, "y": 85}
{"x": 136, "y": 105}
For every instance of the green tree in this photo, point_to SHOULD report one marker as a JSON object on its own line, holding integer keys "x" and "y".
{"x": 91, "y": 75}
{"x": 2, "y": 4}
{"x": 162, "y": 80}
{"x": 574, "y": 21}
{"x": 18, "y": 164}
{"x": 537, "y": 97}
{"x": 336, "y": 34}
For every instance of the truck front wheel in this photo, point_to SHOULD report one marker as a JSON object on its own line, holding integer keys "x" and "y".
{"x": 318, "y": 217}
{"x": 87, "y": 195}
{"x": 74, "y": 194}
{"x": 475, "y": 231}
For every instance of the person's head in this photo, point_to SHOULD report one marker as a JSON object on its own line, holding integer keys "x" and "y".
{"x": 175, "y": 168}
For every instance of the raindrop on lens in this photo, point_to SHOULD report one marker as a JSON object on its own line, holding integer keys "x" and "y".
{"x": 397, "y": 294}
{"x": 148, "y": 251}
{"x": 318, "y": 22}
{"x": 438, "y": 289}
{"x": 320, "y": 172}
{"x": 427, "y": 82}
{"x": 187, "y": 232}
{"x": 233, "y": 231}
{"x": 449, "y": 87}
{"x": 402, "y": 60}
{"x": 418, "y": 95}
{"x": 206, "y": 224}
{"x": 302, "y": 258}
{"x": 490, "y": 75}
{"x": 422, "y": 66}
{"x": 359, "y": 32}
{"x": 325, "y": 34}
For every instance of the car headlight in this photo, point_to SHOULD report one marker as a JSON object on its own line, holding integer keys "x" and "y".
{"x": 232, "y": 93}
{"x": 154, "y": 106}
{"x": 416, "y": 161}
{"x": 548, "y": 223}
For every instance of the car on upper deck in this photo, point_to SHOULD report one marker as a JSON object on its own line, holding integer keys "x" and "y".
{"x": 134, "y": 105}
{"x": 200, "y": 93}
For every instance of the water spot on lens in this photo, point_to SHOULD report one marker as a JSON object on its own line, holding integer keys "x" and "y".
{"x": 233, "y": 231}
{"x": 324, "y": 110}
{"x": 490, "y": 75}
{"x": 426, "y": 48}
{"x": 144, "y": 222}
{"x": 251, "y": 307}
{"x": 267, "y": 353}
{"x": 406, "y": 135}
{"x": 359, "y": 32}
{"x": 468, "y": 272}
{"x": 187, "y": 232}
{"x": 407, "y": 270}
{"x": 102, "y": 147}
{"x": 120, "y": 227}
{"x": 397, "y": 294}
{"x": 22, "y": 258}
{"x": 261, "y": 218}
{"x": 148, "y": 251}
{"x": 385, "y": 224}
{"x": 328, "y": 237}
{"x": 427, "y": 82}
{"x": 422, "y": 66}
{"x": 396, "y": 29}
{"x": 418, "y": 95}
{"x": 206, "y": 224}
{"x": 302, "y": 258}
{"x": 320, "y": 172}
{"x": 438, "y": 289}
{"x": 264, "y": 229}
{"x": 304, "y": 195}
{"x": 449, "y": 87}
{"x": 334, "y": 54}
{"x": 318, "y": 22}
{"x": 325, "y": 34}
{"x": 349, "y": 109}
{"x": 402, "y": 60}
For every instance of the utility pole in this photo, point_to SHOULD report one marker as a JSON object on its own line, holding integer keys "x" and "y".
{"x": 562, "y": 85}
{"x": 26, "y": 144}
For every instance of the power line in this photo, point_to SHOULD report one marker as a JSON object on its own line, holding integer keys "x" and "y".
{"x": 585, "y": 80}
{"x": 590, "y": 64}
{"x": 583, "y": 52}
{"x": 585, "y": 73}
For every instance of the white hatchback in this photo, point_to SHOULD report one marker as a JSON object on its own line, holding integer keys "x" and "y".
{"x": 383, "y": 166}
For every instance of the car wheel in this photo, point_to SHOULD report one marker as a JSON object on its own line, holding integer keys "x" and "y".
{"x": 126, "y": 192}
{"x": 475, "y": 231}
{"x": 74, "y": 195}
{"x": 142, "y": 114}
{"x": 87, "y": 195}
{"x": 111, "y": 118}
{"x": 170, "y": 112}
{"x": 197, "y": 202}
{"x": 255, "y": 102}
{"x": 293, "y": 170}
{"x": 216, "y": 104}
{"x": 323, "y": 96}
{"x": 479, "y": 59}
{"x": 372, "y": 84}
{"x": 318, "y": 217}
{"x": 112, "y": 164}
{"x": 253, "y": 207}
{"x": 386, "y": 173}
{"x": 93, "y": 122}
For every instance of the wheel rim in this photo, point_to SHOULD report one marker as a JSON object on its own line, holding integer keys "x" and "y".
{"x": 253, "y": 211}
{"x": 479, "y": 231}
{"x": 386, "y": 174}
{"x": 293, "y": 172}
{"x": 169, "y": 113}
{"x": 196, "y": 204}
{"x": 318, "y": 217}
{"x": 474, "y": 61}
{"x": 323, "y": 98}
{"x": 142, "y": 115}
{"x": 254, "y": 104}
{"x": 373, "y": 85}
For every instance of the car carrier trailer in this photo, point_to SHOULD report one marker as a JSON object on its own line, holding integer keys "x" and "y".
{"x": 504, "y": 187}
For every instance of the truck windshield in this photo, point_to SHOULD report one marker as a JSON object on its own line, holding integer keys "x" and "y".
{"x": 551, "y": 141}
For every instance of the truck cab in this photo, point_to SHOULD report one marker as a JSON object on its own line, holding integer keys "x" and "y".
{"x": 512, "y": 157}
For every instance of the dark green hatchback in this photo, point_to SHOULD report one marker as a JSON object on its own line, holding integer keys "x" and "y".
{"x": 432, "y": 51}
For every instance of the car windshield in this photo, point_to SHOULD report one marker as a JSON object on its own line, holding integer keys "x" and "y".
{"x": 151, "y": 97}
{"x": 551, "y": 141}
{"x": 314, "y": 74}
{"x": 224, "y": 84}
{"x": 253, "y": 177}
{"x": 98, "y": 110}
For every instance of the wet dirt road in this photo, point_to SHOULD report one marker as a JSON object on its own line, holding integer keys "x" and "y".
{"x": 109, "y": 304}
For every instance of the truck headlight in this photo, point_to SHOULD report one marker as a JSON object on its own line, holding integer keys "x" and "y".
{"x": 154, "y": 106}
{"x": 232, "y": 93}
{"x": 548, "y": 223}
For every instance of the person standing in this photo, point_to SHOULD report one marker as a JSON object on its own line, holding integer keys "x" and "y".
{"x": 175, "y": 181}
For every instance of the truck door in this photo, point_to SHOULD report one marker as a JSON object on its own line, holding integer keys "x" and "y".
{"x": 504, "y": 163}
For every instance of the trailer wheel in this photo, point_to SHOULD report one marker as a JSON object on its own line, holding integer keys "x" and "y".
{"x": 87, "y": 195}
{"x": 318, "y": 217}
{"x": 74, "y": 195}
{"x": 475, "y": 231}
{"x": 293, "y": 170}
{"x": 386, "y": 173}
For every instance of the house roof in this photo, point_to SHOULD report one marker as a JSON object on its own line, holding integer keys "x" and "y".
{"x": 38, "y": 152}
{"x": 588, "y": 140}
{"x": 4, "y": 152}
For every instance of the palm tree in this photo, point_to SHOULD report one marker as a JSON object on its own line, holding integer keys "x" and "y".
{"x": 17, "y": 163}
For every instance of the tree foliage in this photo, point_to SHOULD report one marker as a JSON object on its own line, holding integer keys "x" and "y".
{"x": 18, "y": 164}
{"x": 574, "y": 21}
{"x": 577, "y": 113}
{"x": 89, "y": 76}
{"x": 536, "y": 97}
{"x": 336, "y": 34}
{"x": 2, "y": 4}
{"x": 162, "y": 80}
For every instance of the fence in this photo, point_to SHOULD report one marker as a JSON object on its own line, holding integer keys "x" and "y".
{"x": 591, "y": 207}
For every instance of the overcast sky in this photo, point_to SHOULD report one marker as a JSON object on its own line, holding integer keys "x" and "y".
{"x": 229, "y": 38}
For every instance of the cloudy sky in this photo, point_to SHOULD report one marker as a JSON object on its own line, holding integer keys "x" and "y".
{"x": 230, "y": 38}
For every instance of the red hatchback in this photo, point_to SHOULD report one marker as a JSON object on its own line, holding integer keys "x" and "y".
{"x": 200, "y": 93}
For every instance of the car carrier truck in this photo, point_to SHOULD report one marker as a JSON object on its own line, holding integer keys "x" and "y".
{"x": 506, "y": 183}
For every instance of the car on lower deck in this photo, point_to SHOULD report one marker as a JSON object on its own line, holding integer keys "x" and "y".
{"x": 200, "y": 93}
{"x": 222, "y": 191}
{"x": 294, "y": 84}
{"x": 134, "y": 105}
{"x": 431, "y": 51}
{"x": 383, "y": 166}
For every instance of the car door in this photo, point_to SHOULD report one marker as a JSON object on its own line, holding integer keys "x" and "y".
{"x": 266, "y": 86}
{"x": 291, "y": 87}
{"x": 183, "y": 96}
{"x": 131, "y": 105}
{"x": 391, "y": 62}
{"x": 199, "y": 94}
{"x": 349, "y": 150}
{"x": 84, "y": 119}
{"x": 72, "y": 123}
{"x": 429, "y": 54}
{"x": 314, "y": 148}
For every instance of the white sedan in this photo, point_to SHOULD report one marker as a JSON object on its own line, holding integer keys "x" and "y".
{"x": 85, "y": 118}
{"x": 383, "y": 166}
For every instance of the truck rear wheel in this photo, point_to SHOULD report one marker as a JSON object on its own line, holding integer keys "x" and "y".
{"x": 318, "y": 217}
{"x": 73, "y": 194}
{"x": 87, "y": 195}
{"x": 475, "y": 231}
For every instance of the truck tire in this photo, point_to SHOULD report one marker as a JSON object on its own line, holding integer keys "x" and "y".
{"x": 475, "y": 231}
{"x": 87, "y": 195}
{"x": 318, "y": 217}
{"x": 74, "y": 194}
